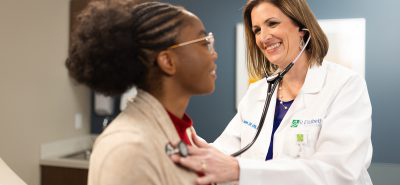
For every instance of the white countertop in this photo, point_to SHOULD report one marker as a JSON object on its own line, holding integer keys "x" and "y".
{"x": 62, "y": 162}
{"x": 53, "y": 154}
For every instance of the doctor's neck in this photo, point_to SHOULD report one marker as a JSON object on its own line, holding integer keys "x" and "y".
{"x": 298, "y": 72}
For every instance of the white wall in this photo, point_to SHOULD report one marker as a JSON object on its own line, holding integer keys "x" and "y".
{"x": 37, "y": 99}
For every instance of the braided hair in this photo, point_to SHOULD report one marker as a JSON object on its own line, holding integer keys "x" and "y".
{"x": 114, "y": 45}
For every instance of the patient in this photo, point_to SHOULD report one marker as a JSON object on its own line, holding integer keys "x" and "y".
{"x": 164, "y": 51}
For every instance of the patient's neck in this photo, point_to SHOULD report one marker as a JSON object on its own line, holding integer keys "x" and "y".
{"x": 174, "y": 101}
{"x": 175, "y": 104}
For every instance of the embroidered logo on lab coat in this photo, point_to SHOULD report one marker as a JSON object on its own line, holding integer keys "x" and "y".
{"x": 306, "y": 122}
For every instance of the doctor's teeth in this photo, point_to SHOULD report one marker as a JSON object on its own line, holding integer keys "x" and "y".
{"x": 273, "y": 46}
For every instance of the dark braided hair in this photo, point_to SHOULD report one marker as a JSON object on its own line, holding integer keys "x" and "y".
{"x": 115, "y": 44}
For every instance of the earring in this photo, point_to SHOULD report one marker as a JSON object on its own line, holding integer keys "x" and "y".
{"x": 302, "y": 43}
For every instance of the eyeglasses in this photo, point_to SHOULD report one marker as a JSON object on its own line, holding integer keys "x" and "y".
{"x": 209, "y": 38}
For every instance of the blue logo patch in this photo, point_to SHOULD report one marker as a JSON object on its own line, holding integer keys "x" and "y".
{"x": 250, "y": 124}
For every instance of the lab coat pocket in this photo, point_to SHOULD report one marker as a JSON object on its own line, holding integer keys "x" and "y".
{"x": 302, "y": 141}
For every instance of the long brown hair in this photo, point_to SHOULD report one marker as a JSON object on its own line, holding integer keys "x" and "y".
{"x": 301, "y": 15}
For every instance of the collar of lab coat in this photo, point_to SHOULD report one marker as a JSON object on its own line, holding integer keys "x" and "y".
{"x": 315, "y": 79}
{"x": 313, "y": 83}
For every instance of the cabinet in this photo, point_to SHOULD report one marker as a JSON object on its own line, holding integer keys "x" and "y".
{"x": 53, "y": 175}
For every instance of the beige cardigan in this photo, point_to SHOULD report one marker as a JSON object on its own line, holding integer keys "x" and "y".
{"x": 132, "y": 149}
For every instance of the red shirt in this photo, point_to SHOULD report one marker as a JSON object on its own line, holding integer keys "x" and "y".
{"x": 181, "y": 125}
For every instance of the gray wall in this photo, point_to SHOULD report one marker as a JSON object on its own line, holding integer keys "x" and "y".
{"x": 212, "y": 113}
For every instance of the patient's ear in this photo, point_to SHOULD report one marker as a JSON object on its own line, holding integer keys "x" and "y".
{"x": 166, "y": 63}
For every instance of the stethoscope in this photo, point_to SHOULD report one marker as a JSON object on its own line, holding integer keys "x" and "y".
{"x": 273, "y": 81}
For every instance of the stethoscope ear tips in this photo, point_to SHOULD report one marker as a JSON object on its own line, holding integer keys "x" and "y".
{"x": 181, "y": 149}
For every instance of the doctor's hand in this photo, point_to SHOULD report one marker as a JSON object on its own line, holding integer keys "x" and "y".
{"x": 216, "y": 166}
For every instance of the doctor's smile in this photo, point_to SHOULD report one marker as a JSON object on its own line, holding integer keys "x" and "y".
{"x": 273, "y": 47}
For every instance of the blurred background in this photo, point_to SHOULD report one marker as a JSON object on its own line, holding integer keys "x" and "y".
{"x": 41, "y": 105}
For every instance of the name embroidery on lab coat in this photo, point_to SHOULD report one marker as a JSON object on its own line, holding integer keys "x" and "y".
{"x": 248, "y": 123}
{"x": 309, "y": 122}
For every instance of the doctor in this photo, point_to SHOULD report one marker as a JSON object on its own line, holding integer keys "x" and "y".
{"x": 318, "y": 128}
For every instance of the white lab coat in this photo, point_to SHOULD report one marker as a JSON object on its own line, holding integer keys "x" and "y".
{"x": 332, "y": 114}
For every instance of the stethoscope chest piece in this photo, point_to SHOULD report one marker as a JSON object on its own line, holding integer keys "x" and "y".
{"x": 181, "y": 148}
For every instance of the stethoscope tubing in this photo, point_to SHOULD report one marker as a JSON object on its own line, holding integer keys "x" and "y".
{"x": 264, "y": 114}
